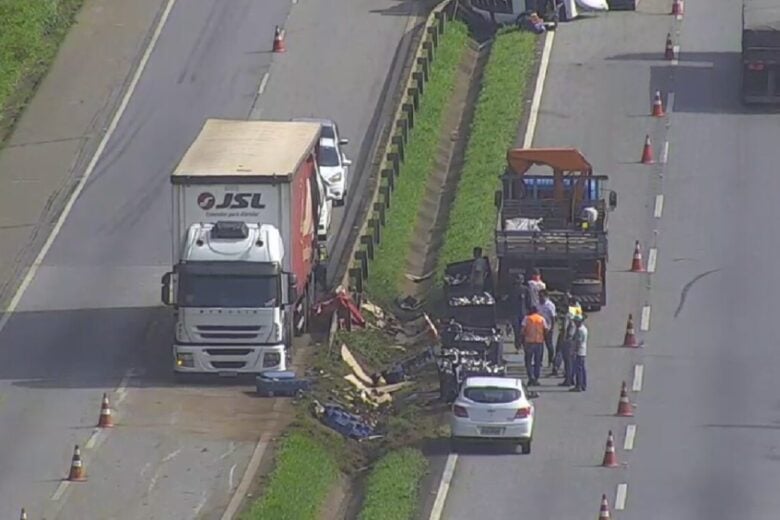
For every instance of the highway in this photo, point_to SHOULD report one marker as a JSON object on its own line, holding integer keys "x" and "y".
{"x": 90, "y": 320}
{"x": 704, "y": 442}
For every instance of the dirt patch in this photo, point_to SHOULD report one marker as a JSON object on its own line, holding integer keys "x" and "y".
{"x": 442, "y": 184}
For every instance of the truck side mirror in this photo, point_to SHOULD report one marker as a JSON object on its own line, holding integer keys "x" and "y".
{"x": 497, "y": 196}
{"x": 166, "y": 291}
{"x": 612, "y": 200}
{"x": 343, "y": 142}
{"x": 346, "y": 162}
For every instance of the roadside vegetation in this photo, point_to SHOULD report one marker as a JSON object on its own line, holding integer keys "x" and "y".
{"x": 392, "y": 490}
{"x": 303, "y": 475}
{"x": 30, "y": 34}
{"x": 388, "y": 266}
{"x": 497, "y": 115}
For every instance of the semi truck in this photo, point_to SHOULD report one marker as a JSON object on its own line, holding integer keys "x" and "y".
{"x": 761, "y": 52}
{"x": 555, "y": 223}
{"x": 246, "y": 203}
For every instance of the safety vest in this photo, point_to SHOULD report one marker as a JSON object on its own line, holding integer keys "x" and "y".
{"x": 534, "y": 328}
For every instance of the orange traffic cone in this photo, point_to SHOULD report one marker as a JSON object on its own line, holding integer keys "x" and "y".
{"x": 658, "y": 105}
{"x": 105, "y": 420}
{"x": 630, "y": 338}
{"x": 625, "y": 409}
{"x": 669, "y": 51}
{"x": 604, "y": 510}
{"x": 678, "y": 8}
{"x": 76, "y": 467}
{"x": 278, "y": 40}
{"x": 23, "y": 516}
{"x": 637, "y": 266}
{"x": 647, "y": 152}
{"x": 610, "y": 458}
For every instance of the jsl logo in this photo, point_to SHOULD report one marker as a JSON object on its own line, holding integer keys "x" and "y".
{"x": 207, "y": 201}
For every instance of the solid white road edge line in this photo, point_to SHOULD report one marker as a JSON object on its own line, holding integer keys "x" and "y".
{"x": 676, "y": 50}
{"x": 620, "y": 497}
{"x": 530, "y": 130}
{"x": 639, "y": 375}
{"x": 60, "y": 490}
{"x": 628, "y": 444}
{"x": 644, "y": 325}
{"x": 652, "y": 258}
{"x": 33, "y": 269}
{"x": 246, "y": 480}
{"x": 659, "y": 206}
{"x": 536, "y": 102}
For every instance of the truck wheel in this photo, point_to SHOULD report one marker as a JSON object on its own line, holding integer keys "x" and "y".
{"x": 586, "y": 287}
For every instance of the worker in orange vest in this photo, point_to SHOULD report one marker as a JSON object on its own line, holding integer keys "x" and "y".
{"x": 533, "y": 330}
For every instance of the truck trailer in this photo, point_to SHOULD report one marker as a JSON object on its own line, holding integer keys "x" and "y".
{"x": 245, "y": 250}
{"x": 761, "y": 52}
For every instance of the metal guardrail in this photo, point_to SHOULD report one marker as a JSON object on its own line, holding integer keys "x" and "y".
{"x": 394, "y": 155}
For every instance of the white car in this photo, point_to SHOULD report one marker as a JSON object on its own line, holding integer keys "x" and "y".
{"x": 493, "y": 409}
{"x": 333, "y": 164}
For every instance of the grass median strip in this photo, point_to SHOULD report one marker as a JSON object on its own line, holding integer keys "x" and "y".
{"x": 472, "y": 217}
{"x": 386, "y": 271}
{"x": 391, "y": 492}
{"x": 30, "y": 34}
{"x": 300, "y": 482}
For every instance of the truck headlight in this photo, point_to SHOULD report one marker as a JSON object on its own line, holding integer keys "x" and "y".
{"x": 336, "y": 177}
{"x": 185, "y": 360}
{"x": 272, "y": 359}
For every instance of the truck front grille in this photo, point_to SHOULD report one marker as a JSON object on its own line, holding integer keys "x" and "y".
{"x": 225, "y": 365}
{"x": 228, "y": 352}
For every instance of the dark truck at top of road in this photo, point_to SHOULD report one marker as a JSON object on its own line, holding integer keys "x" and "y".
{"x": 556, "y": 223}
{"x": 761, "y": 52}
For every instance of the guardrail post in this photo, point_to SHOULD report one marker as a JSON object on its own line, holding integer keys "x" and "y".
{"x": 356, "y": 276}
{"x": 367, "y": 240}
{"x": 362, "y": 258}
{"x": 379, "y": 208}
{"x": 408, "y": 108}
{"x": 423, "y": 63}
{"x": 394, "y": 159}
{"x": 419, "y": 77}
{"x": 414, "y": 94}
{"x": 434, "y": 32}
{"x": 384, "y": 191}
{"x": 389, "y": 176}
{"x": 428, "y": 46}
{"x": 440, "y": 17}
{"x": 403, "y": 125}
{"x": 398, "y": 141}
{"x": 375, "y": 228}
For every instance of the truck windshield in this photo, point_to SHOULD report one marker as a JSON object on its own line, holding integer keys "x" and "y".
{"x": 201, "y": 290}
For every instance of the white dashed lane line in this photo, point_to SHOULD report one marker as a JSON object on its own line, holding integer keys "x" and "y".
{"x": 644, "y": 324}
{"x": 628, "y": 444}
{"x": 659, "y": 206}
{"x": 620, "y": 497}
{"x": 652, "y": 258}
{"x": 639, "y": 374}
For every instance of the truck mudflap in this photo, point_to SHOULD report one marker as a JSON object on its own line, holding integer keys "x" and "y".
{"x": 229, "y": 360}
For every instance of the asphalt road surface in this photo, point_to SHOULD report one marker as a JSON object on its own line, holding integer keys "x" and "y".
{"x": 705, "y": 438}
{"x": 90, "y": 320}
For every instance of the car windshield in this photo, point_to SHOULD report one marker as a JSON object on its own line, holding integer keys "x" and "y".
{"x": 228, "y": 291}
{"x": 327, "y": 132}
{"x": 328, "y": 156}
{"x": 490, "y": 394}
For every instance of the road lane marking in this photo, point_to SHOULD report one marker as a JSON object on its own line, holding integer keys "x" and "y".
{"x": 263, "y": 83}
{"x": 670, "y": 103}
{"x": 82, "y": 182}
{"x": 676, "y": 51}
{"x": 659, "y": 206}
{"x": 628, "y": 444}
{"x": 644, "y": 325}
{"x": 639, "y": 374}
{"x": 652, "y": 258}
{"x": 444, "y": 487}
{"x": 231, "y": 474}
{"x": 536, "y": 103}
{"x": 249, "y": 475}
{"x": 121, "y": 390}
{"x": 92, "y": 439}
{"x": 664, "y": 153}
{"x": 620, "y": 497}
{"x": 60, "y": 490}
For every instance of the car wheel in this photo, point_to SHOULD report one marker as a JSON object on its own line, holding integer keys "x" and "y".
{"x": 338, "y": 203}
{"x": 525, "y": 448}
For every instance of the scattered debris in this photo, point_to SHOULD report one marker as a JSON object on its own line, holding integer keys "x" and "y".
{"x": 350, "y": 360}
{"x": 417, "y": 279}
{"x": 344, "y": 422}
{"x": 281, "y": 384}
{"x": 341, "y": 301}
{"x": 410, "y": 303}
